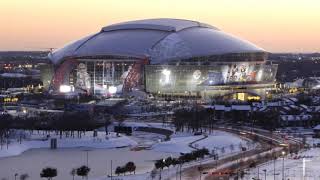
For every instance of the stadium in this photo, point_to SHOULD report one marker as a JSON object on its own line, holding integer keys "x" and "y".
{"x": 163, "y": 57}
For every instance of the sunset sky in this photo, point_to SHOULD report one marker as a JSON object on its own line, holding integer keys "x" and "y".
{"x": 275, "y": 25}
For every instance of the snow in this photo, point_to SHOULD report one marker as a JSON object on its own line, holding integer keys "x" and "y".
{"x": 13, "y": 75}
{"x": 293, "y": 166}
{"x": 71, "y": 152}
{"x": 214, "y": 141}
{"x": 180, "y": 143}
{"x": 64, "y": 160}
{"x": 219, "y": 107}
{"x": 220, "y": 140}
{"x": 40, "y": 141}
{"x": 146, "y": 124}
{"x": 241, "y": 107}
{"x": 146, "y": 114}
{"x": 176, "y": 144}
{"x": 295, "y": 117}
{"x": 317, "y": 127}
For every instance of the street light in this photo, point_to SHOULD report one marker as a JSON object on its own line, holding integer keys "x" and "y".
{"x": 87, "y": 153}
{"x": 200, "y": 170}
{"x": 265, "y": 174}
{"x": 274, "y": 168}
{"x": 15, "y": 176}
{"x": 164, "y": 161}
{"x": 180, "y": 166}
{"x": 283, "y": 153}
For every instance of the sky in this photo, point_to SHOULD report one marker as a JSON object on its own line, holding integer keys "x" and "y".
{"x": 275, "y": 25}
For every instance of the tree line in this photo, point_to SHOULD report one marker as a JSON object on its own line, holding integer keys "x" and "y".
{"x": 129, "y": 167}
{"x": 184, "y": 158}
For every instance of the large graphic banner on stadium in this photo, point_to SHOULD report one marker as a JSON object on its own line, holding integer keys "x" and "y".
{"x": 192, "y": 77}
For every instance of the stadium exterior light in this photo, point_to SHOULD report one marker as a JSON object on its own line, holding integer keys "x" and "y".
{"x": 112, "y": 89}
{"x": 167, "y": 73}
{"x": 65, "y": 88}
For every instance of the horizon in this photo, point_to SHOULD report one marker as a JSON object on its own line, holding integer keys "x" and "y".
{"x": 315, "y": 52}
{"x": 276, "y": 26}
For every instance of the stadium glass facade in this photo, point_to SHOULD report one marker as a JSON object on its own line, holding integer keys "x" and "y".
{"x": 190, "y": 79}
{"x": 97, "y": 76}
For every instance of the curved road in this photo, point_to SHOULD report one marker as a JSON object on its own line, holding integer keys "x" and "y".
{"x": 230, "y": 165}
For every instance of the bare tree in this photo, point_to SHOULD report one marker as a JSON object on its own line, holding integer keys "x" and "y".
{"x": 73, "y": 172}
{"x": 24, "y": 176}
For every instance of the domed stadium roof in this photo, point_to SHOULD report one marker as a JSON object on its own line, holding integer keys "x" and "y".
{"x": 160, "y": 40}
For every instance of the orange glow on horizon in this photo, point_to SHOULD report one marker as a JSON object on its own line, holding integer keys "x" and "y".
{"x": 277, "y": 26}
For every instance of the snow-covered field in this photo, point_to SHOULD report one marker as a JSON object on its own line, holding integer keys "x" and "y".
{"x": 41, "y": 141}
{"x": 34, "y": 154}
{"x": 64, "y": 160}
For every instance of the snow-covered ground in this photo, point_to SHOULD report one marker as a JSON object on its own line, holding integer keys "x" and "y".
{"x": 146, "y": 124}
{"x": 176, "y": 144}
{"x": 179, "y": 143}
{"x": 34, "y": 154}
{"x": 294, "y": 167}
{"x": 64, "y": 160}
{"x": 217, "y": 140}
{"x": 35, "y": 141}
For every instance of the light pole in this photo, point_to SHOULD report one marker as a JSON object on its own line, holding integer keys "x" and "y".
{"x": 111, "y": 169}
{"x": 164, "y": 161}
{"x": 177, "y": 171}
{"x": 180, "y": 170}
{"x": 15, "y": 176}
{"x": 200, "y": 170}
{"x": 265, "y": 174}
{"x": 87, "y": 154}
{"x": 87, "y": 158}
{"x": 283, "y": 153}
{"x": 274, "y": 168}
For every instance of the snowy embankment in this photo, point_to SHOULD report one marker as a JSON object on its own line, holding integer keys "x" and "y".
{"x": 217, "y": 140}
{"x": 176, "y": 144}
{"x": 35, "y": 141}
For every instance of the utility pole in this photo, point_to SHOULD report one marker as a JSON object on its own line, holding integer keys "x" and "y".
{"x": 200, "y": 170}
{"x": 265, "y": 174}
{"x": 87, "y": 152}
{"x": 274, "y": 168}
{"x": 111, "y": 169}
{"x": 180, "y": 170}
{"x": 87, "y": 158}
{"x": 283, "y": 168}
